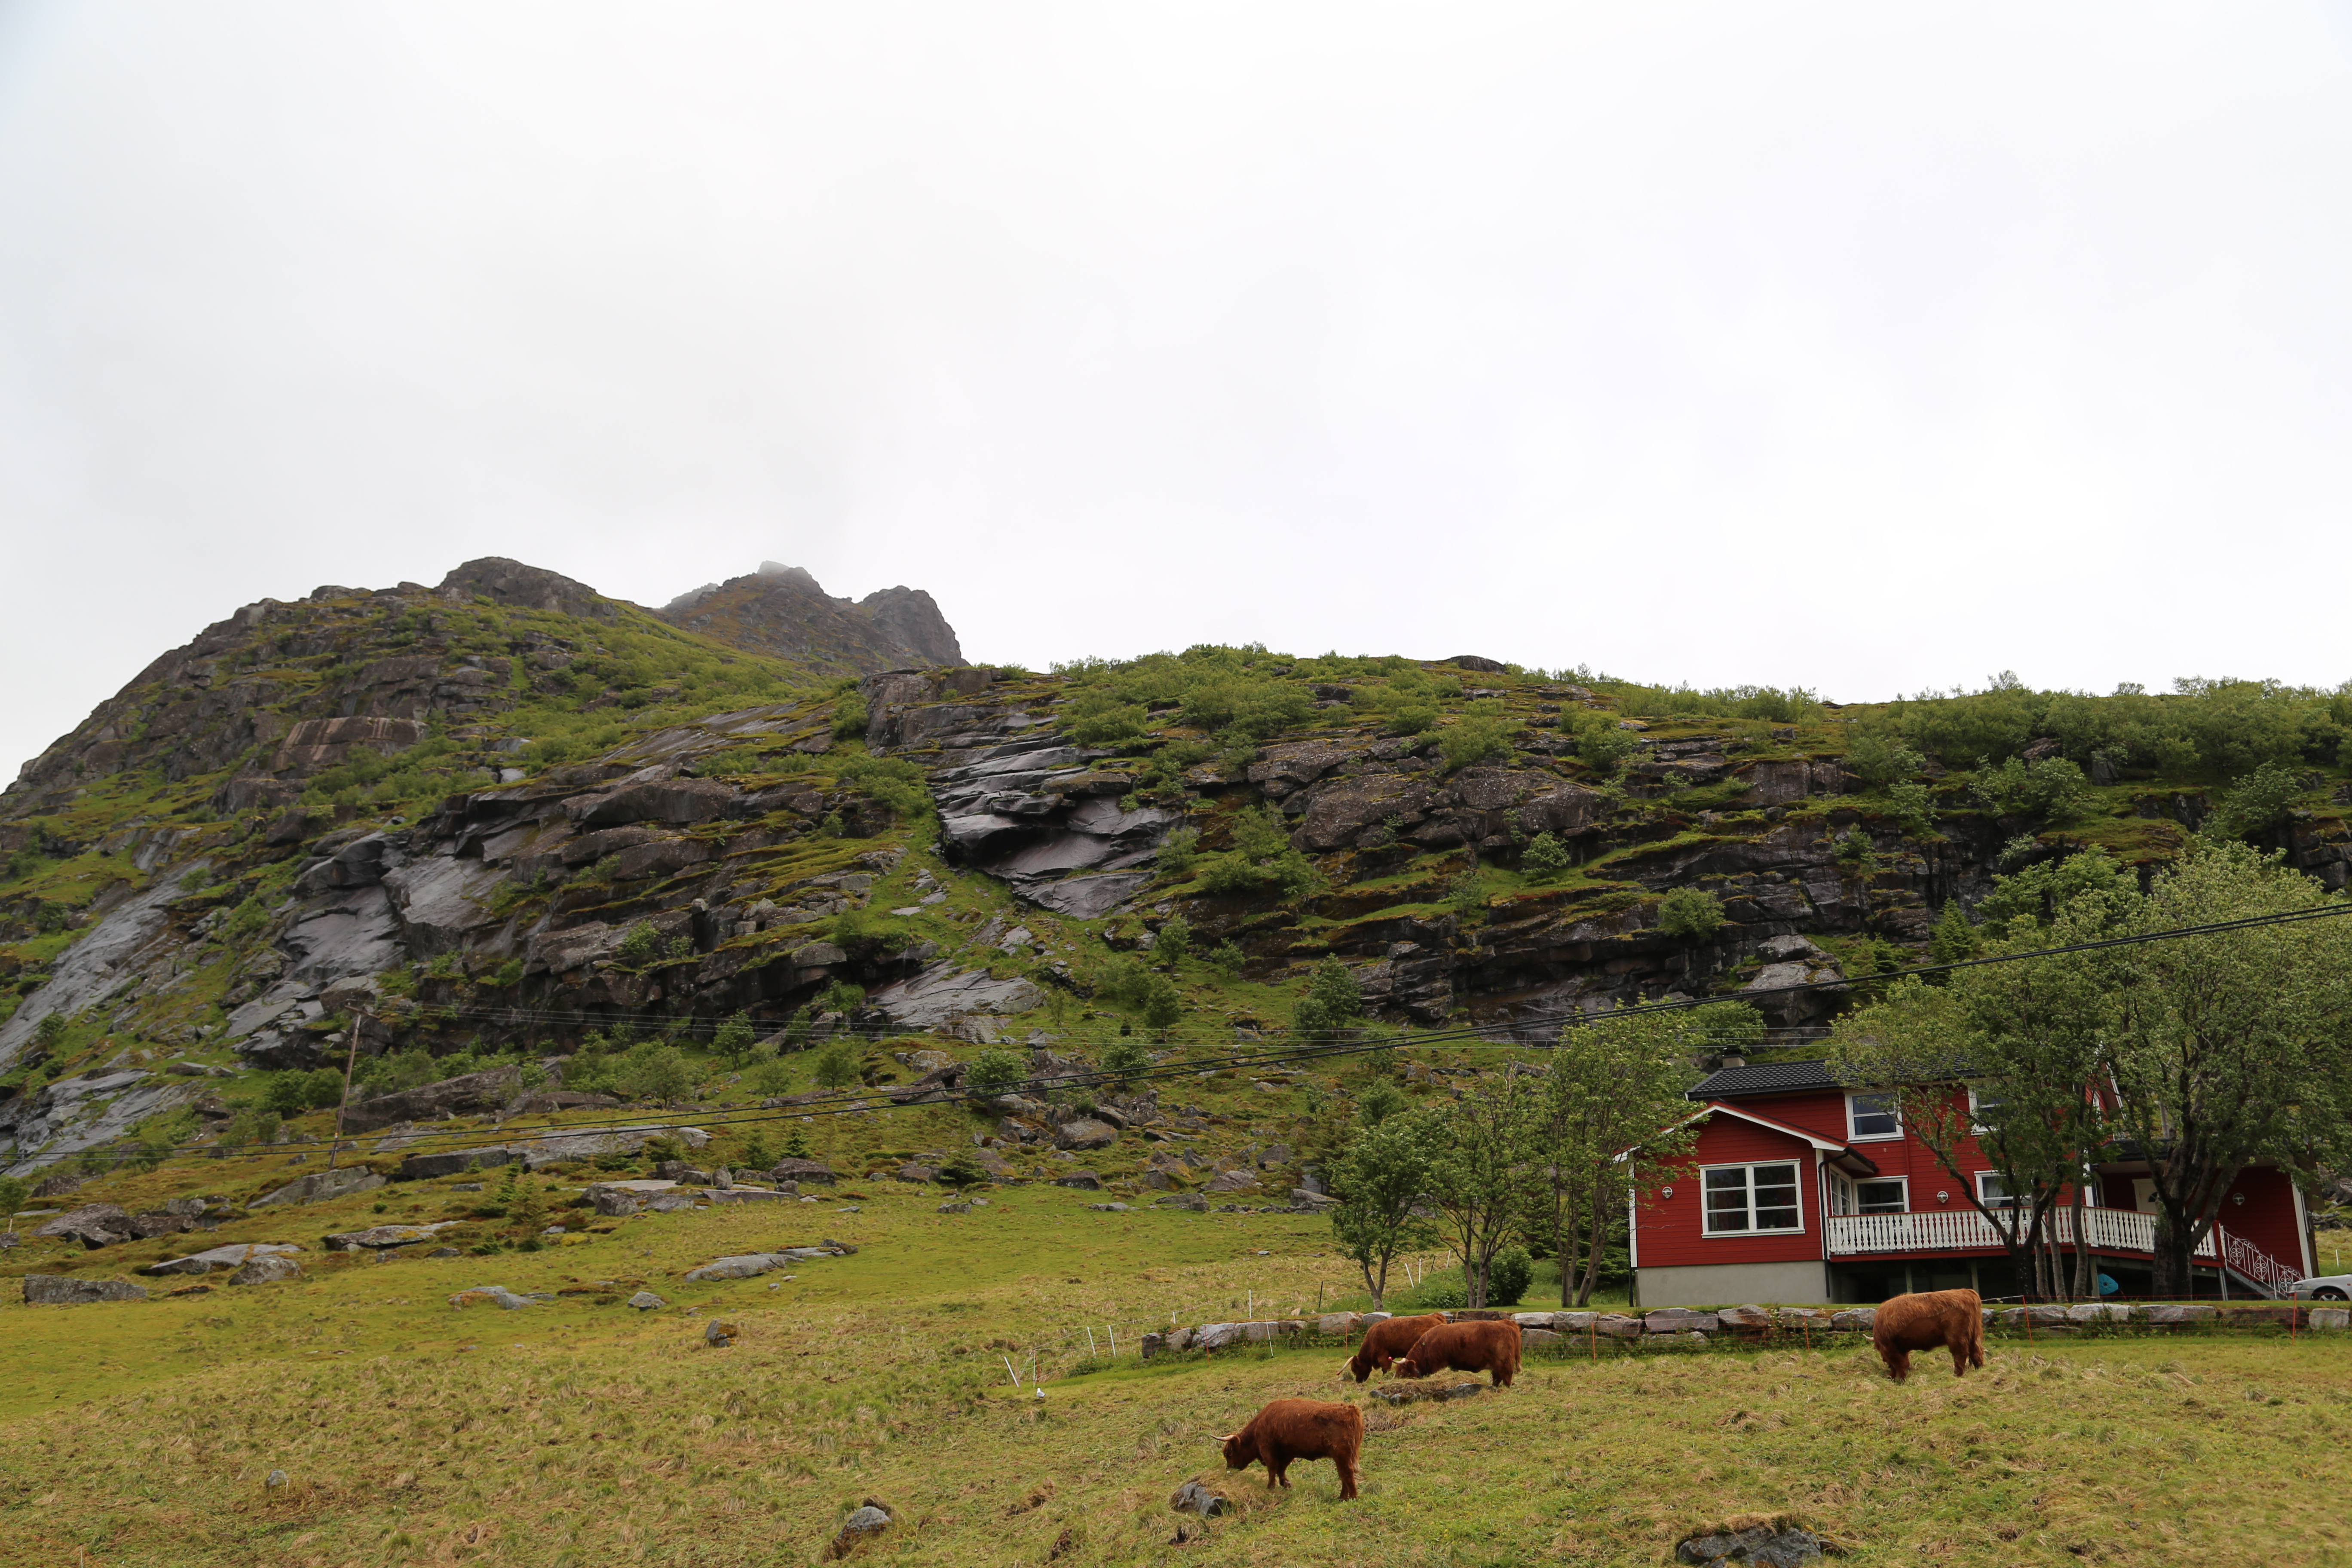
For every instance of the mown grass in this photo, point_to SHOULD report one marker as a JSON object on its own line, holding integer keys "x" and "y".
{"x": 574, "y": 1433}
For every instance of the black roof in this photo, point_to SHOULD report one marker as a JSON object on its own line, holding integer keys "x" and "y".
{"x": 1765, "y": 1077}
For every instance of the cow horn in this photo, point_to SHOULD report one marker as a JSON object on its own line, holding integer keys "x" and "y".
{"x": 1226, "y": 1438}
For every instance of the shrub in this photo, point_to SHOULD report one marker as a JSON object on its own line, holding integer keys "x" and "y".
{"x": 1178, "y": 850}
{"x": 661, "y": 1147}
{"x": 14, "y": 1191}
{"x": 1173, "y": 941}
{"x": 509, "y": 973}
{"x": 1125, "y": 1058}
{"x": 293, "y": 1093}
{"x": 1601, "y": 744}
{"x": 1545, "y": 857}
{"x": 654, "y": 1072}
{"x": 1856, "y": 855}
{"x": 1227, "y": 959}
{"x": 849, "y": 716}
{"x": 1473, "y": 741}
{"x": 995, "y": 1073}
{"x": 2261, "y": 799}
{"x": 1690, "y": 912}
{"x": 733, "y": 1041}
{"x": 1880, "y": 759}
{"x": 1163, "y": 1006}
{"x": 757, "y": 1152}
{"x": 836, "y": 1062}
{"x": 2052, "y": 789}
{"x": 1910, "y": 805}
{"x": 1333, "y": 1001}
{"x": 1509, "y": 1275}
{"x": 797, "y": 1145}
{"x": 639, "y": 946}
{"x": 843, "y": 997}
{"x": 1413, "y": 719}
{"x": 960, "y": 1170}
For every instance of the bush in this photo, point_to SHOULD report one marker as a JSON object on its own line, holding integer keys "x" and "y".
{"x": 757, "y": 1152}
{"x": 1178, "y": 850}
{"x": 1125, "y": 1058}
{"x": 1333, "y": 1000}
{"x": 2260, "y": 800}
{"x": 733, "y": 1041}
{"x": 1227, "y": 959}
{"x": 1173, "y": 941}
{"x": 1601, "y": 744}
{"x": 654, "y": 1072}
{"x": 842, "y": 996}
{"x": 1854, "y": 854}
{"x": 14, "y": 1191}
{"x": 1163, "y": 1004}
{"x": 836, "y": 1062}
{"x": 1881, "y": 760}
{"x": 995, "y": 1073}
{"x": 1690, "y": 912}
{"x": 1471, "y": 740}
{"x": 2052, "y": 789}
{"x": 960, "y": 1170}
{"x": 1509, "y": 1275}
{"x": 849, "y": 716}
{"x": 1413, "y": 719}
{"x": 1545, "y": 857}
{"x": 293, "y": 1093}
{"x": 639, "y": 946}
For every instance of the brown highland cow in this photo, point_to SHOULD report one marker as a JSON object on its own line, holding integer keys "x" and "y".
{"x": 1951, "y": 1318}
{"x": 1289, "y": 1429}
{"x": 1492, "y": 1347}
{"x": 1384, "y": 1342}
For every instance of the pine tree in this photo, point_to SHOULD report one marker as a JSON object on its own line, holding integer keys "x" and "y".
{"x": 1954, "y": 938}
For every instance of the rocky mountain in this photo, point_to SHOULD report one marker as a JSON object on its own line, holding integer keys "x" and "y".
{"x": 501, "y": 814}
{"x": 782, "y": 611}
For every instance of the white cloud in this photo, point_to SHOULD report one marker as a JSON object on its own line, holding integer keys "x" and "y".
{"x": 1858, "y": 346}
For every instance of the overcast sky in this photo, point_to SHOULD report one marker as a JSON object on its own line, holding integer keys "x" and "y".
{"x": 1866, "y": 347}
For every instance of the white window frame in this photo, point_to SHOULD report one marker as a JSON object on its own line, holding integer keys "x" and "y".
{"x": 1895, "y": 1111}
{"x": 2006, "y": 1201}
{"x": 1707, "y": 1210}
{"x": 1902, "y": 1182}
{"x": 1842, "y": 1198}
{"x": 1976, "y": 1108}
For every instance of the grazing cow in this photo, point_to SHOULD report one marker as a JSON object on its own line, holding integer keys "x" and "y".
{"x": 1289, "y": 1429}
{"x": 1952, "y": 1319}
{"x": 1491, "y": 1346}
{"x": 1384, "y": 1342}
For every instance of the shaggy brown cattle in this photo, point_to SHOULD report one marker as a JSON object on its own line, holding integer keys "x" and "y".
{"x": 1466, "y": 1347}
{"x": 1289, "y": 1429}
{"x": 1384, "y": 1342}
{"x": 1952, "y": 1319}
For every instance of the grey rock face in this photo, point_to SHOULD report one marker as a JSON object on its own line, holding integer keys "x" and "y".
{"x": 1763, "y": 1545}
{"x": 944, "y": 993}
{"x": 1085, "y": 1132}
{"x": 420, "y": 1167}
{"x": 1194, "y": 1498}
{"x": 64, "y": 1290}
{"x": 267, "y": 1269}
{"x": 745, "y": 1266}
{"x": 1085, "y": 1181}
{"x": 485, "y": 1090}
{"x": 491, "y": 1295}
{"x": 92, "y": 1225}
{"x": 646, "y": 1301}
{"x": 320, "y": 1185}
{"x": 229, "y": 1256}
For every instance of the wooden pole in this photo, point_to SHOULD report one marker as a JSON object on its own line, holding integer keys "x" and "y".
{"x": 351, "y": 1059}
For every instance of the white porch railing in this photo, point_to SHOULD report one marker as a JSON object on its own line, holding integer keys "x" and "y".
{"x": 2106, "y": 1230}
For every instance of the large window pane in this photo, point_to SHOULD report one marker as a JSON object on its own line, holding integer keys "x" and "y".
{"x": 1775, "y": 1197}
{"x": 1727, "y": 1199}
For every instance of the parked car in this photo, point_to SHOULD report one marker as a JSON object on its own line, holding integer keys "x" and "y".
{"x": 2327, "y": 1287}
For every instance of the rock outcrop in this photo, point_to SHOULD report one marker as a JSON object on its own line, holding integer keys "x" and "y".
{"x": 780, "y": 610}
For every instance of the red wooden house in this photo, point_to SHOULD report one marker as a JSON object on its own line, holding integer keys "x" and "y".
{"x": 1802, "y": 1191}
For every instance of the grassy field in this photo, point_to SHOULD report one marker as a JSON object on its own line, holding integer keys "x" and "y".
{"x": 409, "y": 1432}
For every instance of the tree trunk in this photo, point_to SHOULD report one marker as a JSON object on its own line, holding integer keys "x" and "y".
{"x": 2086, "y": 1279}
{"x": 1597, "y": 1238}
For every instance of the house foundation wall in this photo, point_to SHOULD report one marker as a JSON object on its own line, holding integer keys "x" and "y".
{"x": 1730, "y": 1284}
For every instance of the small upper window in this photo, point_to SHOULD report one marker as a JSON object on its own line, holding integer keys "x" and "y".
{"x": 1872, "y": 1115}
{"x": 1980, "y": 1103}
{"x": 1992, "y": 1192}
{"x": 1883, "y": 1197}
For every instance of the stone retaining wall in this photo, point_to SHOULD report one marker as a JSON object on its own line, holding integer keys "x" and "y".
{"x": 1684, "y": 1325}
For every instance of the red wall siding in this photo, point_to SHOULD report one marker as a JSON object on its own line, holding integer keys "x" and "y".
{"x": 2267, "y": 1216}
{"x": 1823, "y": 1114}
{"x": 1673, "y": 1229}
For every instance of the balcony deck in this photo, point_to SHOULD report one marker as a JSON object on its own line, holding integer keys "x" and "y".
{"x": 2117, "y": 1231}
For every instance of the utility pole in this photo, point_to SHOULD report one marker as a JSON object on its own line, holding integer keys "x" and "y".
{"x": 351, "y": 1059}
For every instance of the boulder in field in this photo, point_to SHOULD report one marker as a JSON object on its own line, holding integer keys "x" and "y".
{"x": 319, "y": 1186}
{"x": 64, "y": 1290}
{"x": 271, "y": 1269}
